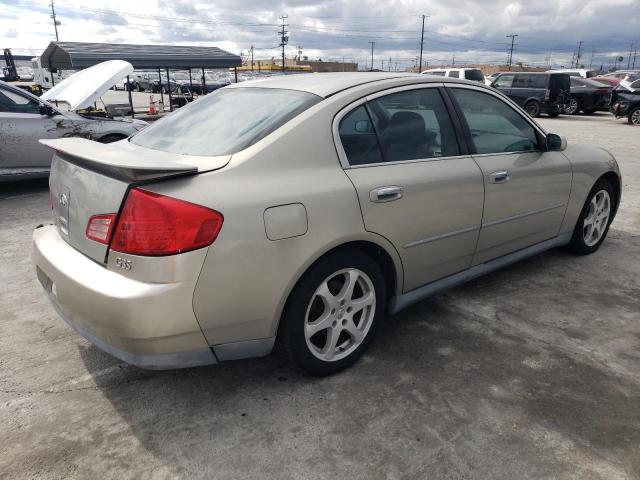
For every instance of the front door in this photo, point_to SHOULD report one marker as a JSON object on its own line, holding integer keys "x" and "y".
{"x": 415, "y": 186}
{"x": 526, "y": 187}
{"x": 22, "y": 126}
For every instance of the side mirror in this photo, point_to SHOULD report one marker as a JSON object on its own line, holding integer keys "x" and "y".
{"x": 46, "y": 110}
{"x": 556, "y": 143}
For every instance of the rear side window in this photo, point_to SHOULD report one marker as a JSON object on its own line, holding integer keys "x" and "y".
{"x": 454, "y": 74}
{"x": 475, "y": 75}
{"x": 437, "y": 74}
{"x": 530, "y": 81}
{"x": 413, "y": 125}
{"x": 495, "y": 126}
{"x": 358, "y": 138}
{"x": 226, "y": 121}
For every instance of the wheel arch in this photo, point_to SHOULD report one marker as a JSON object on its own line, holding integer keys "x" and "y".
{"x": 378, "y": 248}
{"x": 614, "y": 179}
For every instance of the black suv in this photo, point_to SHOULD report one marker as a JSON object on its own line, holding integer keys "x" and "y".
{"x": 536, "y": 92}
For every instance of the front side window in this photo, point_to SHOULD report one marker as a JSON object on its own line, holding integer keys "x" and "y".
{"x": 495, "y": 126}
{"x": 358, "y": 138}
{"x": 413, "y": 125}
{"x": 504, "y": 81}
{"x": 225, "y": 122}
{"x": 16, "y": 103}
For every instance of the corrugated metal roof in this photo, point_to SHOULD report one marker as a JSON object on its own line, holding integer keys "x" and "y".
{"x": 76, "y": 55}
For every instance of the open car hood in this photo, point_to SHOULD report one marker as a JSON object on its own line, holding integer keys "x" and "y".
{"x": 83, "y": 88}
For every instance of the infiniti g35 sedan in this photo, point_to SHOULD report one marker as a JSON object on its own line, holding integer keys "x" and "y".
{"x": 294, "y": 213}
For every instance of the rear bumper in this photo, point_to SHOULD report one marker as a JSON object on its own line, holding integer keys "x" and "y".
{"x": 151, "y": 325}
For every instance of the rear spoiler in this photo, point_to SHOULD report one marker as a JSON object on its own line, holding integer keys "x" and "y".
{"x": 126, "y": 161}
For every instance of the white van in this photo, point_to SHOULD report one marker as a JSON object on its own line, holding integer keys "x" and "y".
{"x": 466, "y": 73}
{"x": 576, "y": 72}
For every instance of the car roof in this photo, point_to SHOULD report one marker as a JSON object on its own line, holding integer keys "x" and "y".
{"x": 327, "y": 84}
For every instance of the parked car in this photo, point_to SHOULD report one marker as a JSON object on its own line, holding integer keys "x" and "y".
{"x": 474, "y": 74}
{"x": 488, "y": 80}
{"x": 536, "y": 92}
{"x": 625, "y": 101}
{"x": 298, "y": 211}
{"x": 611, "y": 81}
{"x": 25, "y": 118}
{"x": 621, "y": 74}
{"x": 587, "y": 96}
{"x": 577, "y": 72}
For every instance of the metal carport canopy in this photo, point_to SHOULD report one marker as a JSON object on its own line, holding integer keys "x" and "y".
{"x": 77, "y": 55}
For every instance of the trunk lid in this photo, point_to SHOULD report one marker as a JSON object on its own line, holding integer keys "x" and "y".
{"x": 90, "y": 178}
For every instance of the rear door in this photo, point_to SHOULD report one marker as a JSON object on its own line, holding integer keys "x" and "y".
{"x": 416, "y": 184}
{"x": 526, "y": 187}
{"x": 526, "y": 86}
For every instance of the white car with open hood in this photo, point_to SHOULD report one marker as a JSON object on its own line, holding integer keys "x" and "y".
{"x": 25, "y": 119}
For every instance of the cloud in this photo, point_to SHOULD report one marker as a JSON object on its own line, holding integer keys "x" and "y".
{"x": 472, "y": 31}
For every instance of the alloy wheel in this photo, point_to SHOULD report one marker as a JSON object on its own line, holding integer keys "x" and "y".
{"x": 635, "y": 117}
{"x": 596, "y": 221}
{"x": 340, "y": 314}
{"x": 572, "y": 107}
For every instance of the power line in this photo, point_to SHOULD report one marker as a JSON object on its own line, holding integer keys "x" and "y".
{"x": 512, "y": 37}
{"x": 373, "y": 44}
{"x": 578, "y": 54}
{"x": 422, "y": 42}
{"x": 55, "y": 21}
{"x": 284, "y": 37}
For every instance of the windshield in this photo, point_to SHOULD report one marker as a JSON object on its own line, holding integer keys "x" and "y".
{"x": 225, "y": 122}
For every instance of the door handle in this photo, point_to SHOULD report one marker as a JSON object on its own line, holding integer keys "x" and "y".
{"x": 500, "y": 176}
{"x": 385, "y": 194}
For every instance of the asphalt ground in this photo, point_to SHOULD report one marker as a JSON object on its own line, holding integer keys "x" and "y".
{"x": 532, "y": 372}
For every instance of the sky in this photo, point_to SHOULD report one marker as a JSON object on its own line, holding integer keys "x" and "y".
{"x": 460, "y": 31}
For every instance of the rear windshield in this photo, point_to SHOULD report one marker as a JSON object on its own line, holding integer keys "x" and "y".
{"x": 475, "y": 75}
{"x": 225, "y": 122}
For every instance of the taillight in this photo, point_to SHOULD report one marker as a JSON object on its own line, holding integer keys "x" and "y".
{"x": 99, "y": 227}
{"x": 153, "y": 224}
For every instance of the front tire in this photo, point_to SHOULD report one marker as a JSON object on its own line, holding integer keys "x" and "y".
{"x": 333, "y": 313}
{"x": 595, "y": 218}
{"x": 532, "y": 108}
{"x": 634, "y": 117}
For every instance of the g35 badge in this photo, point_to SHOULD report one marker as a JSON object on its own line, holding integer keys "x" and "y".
{"x": 123, "y": 263}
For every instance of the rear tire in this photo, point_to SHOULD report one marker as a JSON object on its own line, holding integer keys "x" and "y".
{"x": 532, "y": 108}
{"x": 595, "y": 218}
{"x": 573, "y": 107}
{"x": 634, "y": 117}
{"x": 333, "y": 313}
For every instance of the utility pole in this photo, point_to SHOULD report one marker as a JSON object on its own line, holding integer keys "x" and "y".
{"x": 422, "y": 42}
{"x": 284, "y": 37}
{"x": 578, "y": 55}
{"x": 373, "y": 44}
{"x": 56, "y": 22}
{"x": 593, "y": 54}
{"x": 635, "y": 54}
{"x": 389, "y": 63}
{"x": 630, "y": 52}
{"x": 513, "y": 38}
{"x": 382, "y": 68}
{"x": 252, "y": 58}
{"x": 299, "y": 53}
